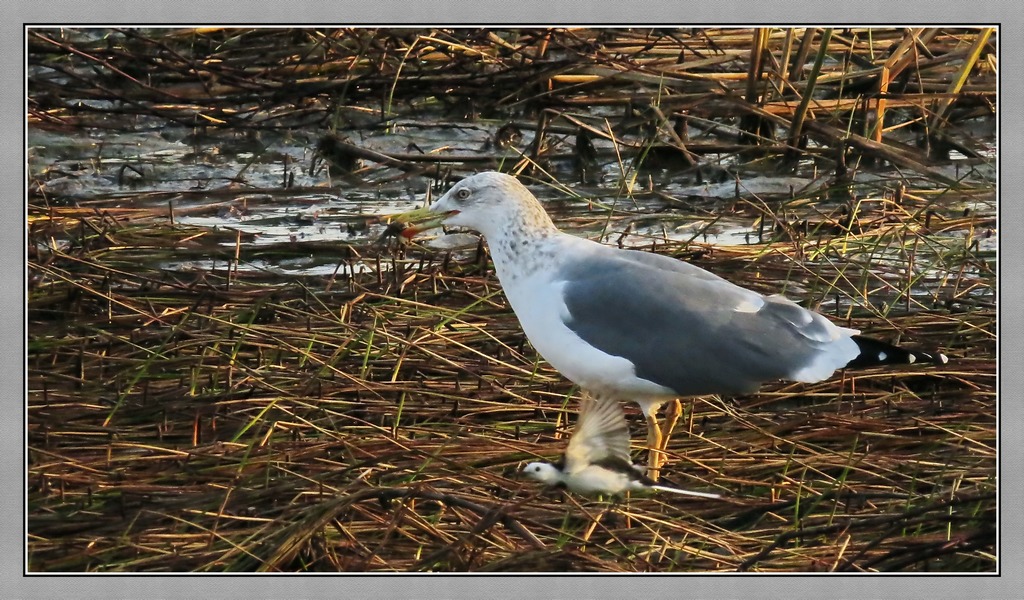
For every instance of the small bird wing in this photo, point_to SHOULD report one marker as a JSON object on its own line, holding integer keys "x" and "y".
{"x": 601, "y": 434}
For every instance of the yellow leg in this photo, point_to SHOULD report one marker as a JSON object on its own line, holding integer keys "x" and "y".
{"x": 654, "y": 446}
{"x": 658, "y": 436}
{"x": 672, "y": 414}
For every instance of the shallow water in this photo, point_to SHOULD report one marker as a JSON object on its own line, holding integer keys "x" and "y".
{"x": 237, "y": 182}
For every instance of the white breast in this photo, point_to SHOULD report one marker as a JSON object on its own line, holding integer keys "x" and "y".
{"x": 597, "y": 480}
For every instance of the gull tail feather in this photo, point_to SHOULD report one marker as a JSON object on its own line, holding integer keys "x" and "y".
{"x": 662, "y": 488}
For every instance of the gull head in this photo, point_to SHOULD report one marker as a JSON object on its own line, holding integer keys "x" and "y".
{"x": 488, "y": 202}
{"x": 484, "y": 201}
{"x": 543, "y": 472}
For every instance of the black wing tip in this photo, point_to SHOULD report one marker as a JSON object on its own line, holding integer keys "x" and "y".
{"x": 937, "y": 358}
{"x": 876, "y": 352}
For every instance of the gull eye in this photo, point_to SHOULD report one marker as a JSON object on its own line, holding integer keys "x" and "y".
{"x": 462, "y": 194}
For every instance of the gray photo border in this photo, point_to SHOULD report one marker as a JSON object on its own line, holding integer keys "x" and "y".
{"x": 13, "y": 582}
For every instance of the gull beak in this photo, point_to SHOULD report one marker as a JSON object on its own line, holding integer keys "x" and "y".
{"x": 409, "y": 224}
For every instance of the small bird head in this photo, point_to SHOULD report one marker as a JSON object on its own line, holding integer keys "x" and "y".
{"x": 543, "y": 472}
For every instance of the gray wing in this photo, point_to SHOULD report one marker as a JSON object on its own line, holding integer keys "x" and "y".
{"x": 601, "y": 434}
{"x": 667, "y": 263}
{"x": 694, "y": 332}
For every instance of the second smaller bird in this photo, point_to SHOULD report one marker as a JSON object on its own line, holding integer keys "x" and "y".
{"x": 596, "y": 460}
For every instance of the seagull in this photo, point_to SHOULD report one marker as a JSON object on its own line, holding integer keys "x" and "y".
{"x": 633, "y": 325}
{"x": 596, "y": 460}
